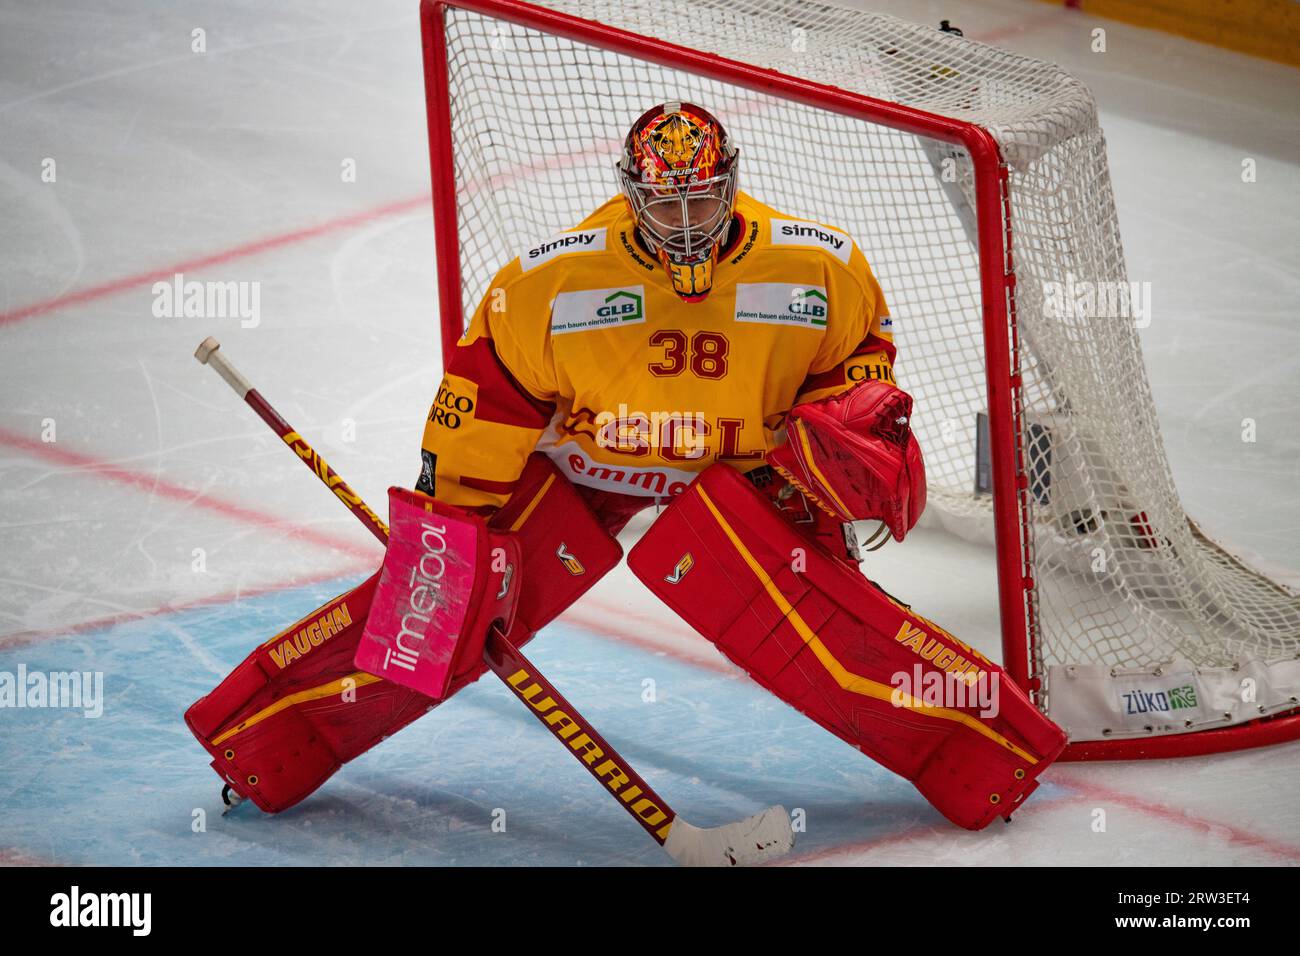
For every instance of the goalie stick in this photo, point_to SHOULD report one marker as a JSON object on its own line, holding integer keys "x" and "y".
{"x": 756, "y": 839}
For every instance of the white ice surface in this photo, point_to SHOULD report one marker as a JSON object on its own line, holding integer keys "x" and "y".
{"x": 166, "y": 156}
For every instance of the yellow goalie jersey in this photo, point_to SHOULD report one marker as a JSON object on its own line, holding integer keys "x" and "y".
{"x": 581, "y": 349}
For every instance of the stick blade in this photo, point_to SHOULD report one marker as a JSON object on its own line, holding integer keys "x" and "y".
{"x": 764, "y": 836}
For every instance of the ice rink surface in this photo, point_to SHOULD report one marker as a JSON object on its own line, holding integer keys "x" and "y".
{"x": 164, "y": 531}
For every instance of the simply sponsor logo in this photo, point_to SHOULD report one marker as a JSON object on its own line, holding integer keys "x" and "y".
{"x": 779, "y": 303}
{"x": 592, "y": 240}
{"x": 792, "y": 232}
{"x": 419, "y": 599}
{"x": 179, "y": 299}
{"x": 61, "y": 690}
{"x": 931, "y": 688}
{"x": 597, "y": 309}
{"x": 1159, "y": 701}
{"x": 75, "y": 908}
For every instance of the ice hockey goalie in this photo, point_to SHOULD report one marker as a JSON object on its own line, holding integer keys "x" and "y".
{"x": 690, "y": 346}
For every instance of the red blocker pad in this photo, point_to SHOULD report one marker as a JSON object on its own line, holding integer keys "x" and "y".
{"x": 297, "y": 708}
{"x": 446, "y": 579}
{"x": 831, "y": 644}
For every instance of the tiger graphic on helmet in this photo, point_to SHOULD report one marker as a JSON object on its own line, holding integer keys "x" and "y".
{"x": 678, "y": 173}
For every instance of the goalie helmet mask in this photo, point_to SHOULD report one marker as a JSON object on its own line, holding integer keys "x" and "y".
{"x": 678, "y": 173}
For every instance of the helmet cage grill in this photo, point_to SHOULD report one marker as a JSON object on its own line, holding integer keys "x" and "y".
{"x": 681, "y": 239}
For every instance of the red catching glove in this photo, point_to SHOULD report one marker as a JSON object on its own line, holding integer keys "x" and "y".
{"x": 854, "y": 454}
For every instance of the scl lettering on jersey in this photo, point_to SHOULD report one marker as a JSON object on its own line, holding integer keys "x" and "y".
{"x": 793, "y": 232}
{"x": 592, "y": 240}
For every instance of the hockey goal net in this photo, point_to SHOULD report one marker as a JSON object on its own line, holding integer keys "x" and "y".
{"x": 976, "y": 182}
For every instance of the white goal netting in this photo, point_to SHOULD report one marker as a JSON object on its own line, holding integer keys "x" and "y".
{"x": 1143, "y": 625}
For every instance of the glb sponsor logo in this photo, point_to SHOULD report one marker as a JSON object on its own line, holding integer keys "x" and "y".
{"x": 75, "y": 908}
{"x": 597, "y": 309}
{"x": 778, "y": 303}
{"x": 622, "y": 305}
{"x": 454, "y": 403}
{"x": 179, "y": 299}
{"x": 63, "y": 690}
{"x": 590, "y": 241}
{"x": 332, "y": 621}
{"x": 810, "y": 303}
{"x": 1159, "y": 701}
{"x": 419, "y": 599}
{"x": 921, "y": 688}
{"x": 790, "y": 232}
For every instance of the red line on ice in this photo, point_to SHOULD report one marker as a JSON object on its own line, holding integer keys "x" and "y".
{"x": 11, "y": 856}
{"x": 23, "y": 638}
{"x": 75, "y": 461}
{"x": 252, "y": 248}
{"x": 1179, "y": 816}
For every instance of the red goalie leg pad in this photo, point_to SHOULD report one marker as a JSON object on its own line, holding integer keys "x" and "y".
{"x": 297, "y": 708}
{"x": 833, "y": 645}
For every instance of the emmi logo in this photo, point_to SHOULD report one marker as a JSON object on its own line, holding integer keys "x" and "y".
{"x": 809, "y": 303}
{"x": 622, "y": 305}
